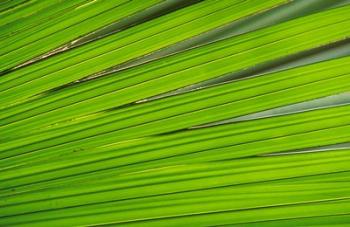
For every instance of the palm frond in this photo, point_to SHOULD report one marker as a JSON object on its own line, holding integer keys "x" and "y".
{"x": 168, "y": 113}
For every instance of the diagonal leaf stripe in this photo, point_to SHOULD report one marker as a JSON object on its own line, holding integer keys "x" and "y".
{"x": 220, "y": 172}
{"x": 130, "y": 94}
{"x": 174, "y": 113}
{"x": 218, "y": 143}
{"x": 59, "y": 30}
{"x": 35, "y": 12}
{"x": 225, "y": 101}
{"x": 200, "y": 23}
{"x": 213, "y": 206}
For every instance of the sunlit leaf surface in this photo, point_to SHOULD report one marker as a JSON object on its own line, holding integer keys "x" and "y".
{"x": 174, "y": 113}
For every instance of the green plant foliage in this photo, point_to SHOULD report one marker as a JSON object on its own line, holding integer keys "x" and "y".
{"x": 144, "y": 113}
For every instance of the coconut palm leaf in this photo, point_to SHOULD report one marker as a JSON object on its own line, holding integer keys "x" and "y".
{"x": 174, "y": 113}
